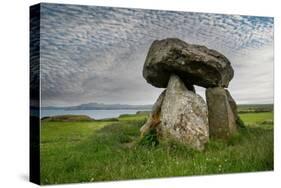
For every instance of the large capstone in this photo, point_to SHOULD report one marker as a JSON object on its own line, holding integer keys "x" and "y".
{"x": 222, "y": 119}
{"x": 194, "y": 64}
{"x": 183, "y": 116}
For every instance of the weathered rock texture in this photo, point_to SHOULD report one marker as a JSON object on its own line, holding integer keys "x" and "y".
{"x": 232, "y": 104}
{"x": 154, "y": 117}
{"x": 194, "y": 64}
{"x": 183, "y": 116}
{"x": 222, "y": 119}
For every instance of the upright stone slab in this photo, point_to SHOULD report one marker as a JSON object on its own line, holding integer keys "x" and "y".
{"x": 232, "y": 104}
{"x": 183, "y": 116}
{"x": 154, "y": 116}
{"x": 239, "y": 122}
{"x": 221, "y": 116}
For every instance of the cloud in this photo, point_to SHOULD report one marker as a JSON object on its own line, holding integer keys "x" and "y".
{"x": 253, "y": 81}
{"x": 96, "y": 54}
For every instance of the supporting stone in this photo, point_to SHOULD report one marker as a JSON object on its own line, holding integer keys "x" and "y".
{"x": 154, "y": 117}
{"x": 233, "y": 105}
{"x": 222, "y": 119}
{"x": 183, "y": 116}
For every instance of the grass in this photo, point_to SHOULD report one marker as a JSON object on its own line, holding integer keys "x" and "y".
{"x": 111, "y": 150}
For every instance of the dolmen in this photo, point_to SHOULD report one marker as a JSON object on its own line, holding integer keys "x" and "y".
{"x": 179, "y": 113}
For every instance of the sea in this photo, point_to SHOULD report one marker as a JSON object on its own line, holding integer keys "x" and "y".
{"x": 96, "y": 114}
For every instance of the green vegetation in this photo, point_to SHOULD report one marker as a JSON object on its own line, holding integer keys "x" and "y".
{"x": 112, "y": 150}
{"x": 246, "y": 108}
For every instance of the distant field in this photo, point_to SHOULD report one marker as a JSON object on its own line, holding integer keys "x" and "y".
{"x": 245, "y": 108}
{"x": 109, "y": 150}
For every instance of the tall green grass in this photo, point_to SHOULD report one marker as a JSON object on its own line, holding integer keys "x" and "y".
{"x": 111, "y": 150}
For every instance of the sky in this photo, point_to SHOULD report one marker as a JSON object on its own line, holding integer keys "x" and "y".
{"x": 96, "y": 54}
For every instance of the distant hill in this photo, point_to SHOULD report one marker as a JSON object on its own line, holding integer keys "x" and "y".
{"x": 101, "y": 106}
{"x": 255, "y": 108}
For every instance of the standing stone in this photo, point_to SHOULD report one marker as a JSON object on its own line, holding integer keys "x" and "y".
{"x": 222, "y": 119}
{"x": 232, "y": 104}
{"x": 154, "y": 116}
{"x": 183, "y": 116}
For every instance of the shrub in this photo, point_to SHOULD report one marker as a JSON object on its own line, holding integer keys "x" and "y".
{"x": 240, "y": 123}
{"x": 150, "y": 139}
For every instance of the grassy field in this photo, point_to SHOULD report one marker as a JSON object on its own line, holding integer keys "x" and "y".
{"x": 109, "y": 150}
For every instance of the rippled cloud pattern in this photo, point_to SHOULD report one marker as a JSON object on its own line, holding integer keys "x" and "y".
{"x": 96, "y": 54}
